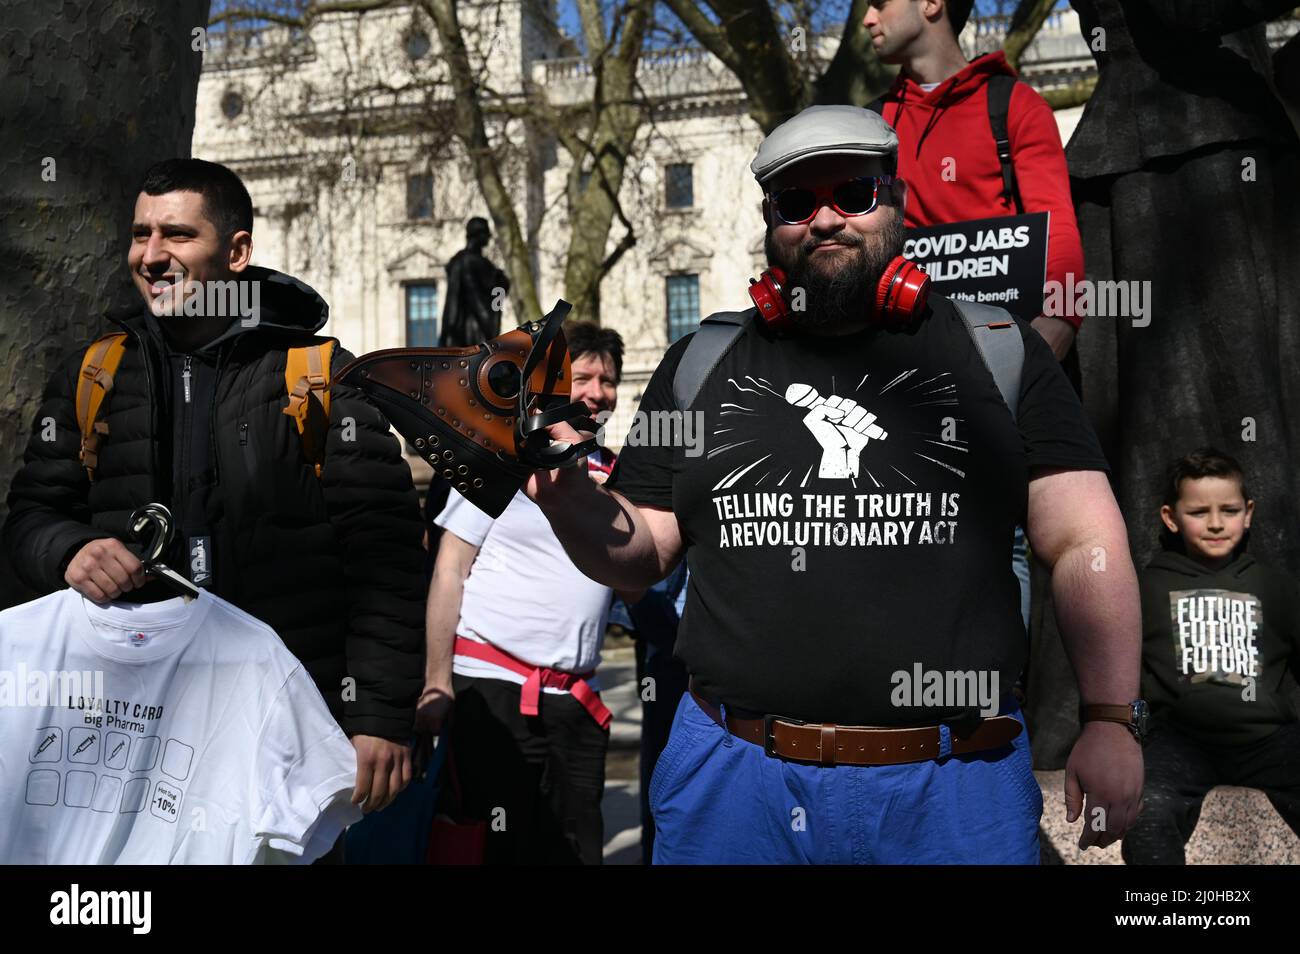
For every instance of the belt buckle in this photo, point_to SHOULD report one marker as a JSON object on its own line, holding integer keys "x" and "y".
{"x": 769, "y": 739}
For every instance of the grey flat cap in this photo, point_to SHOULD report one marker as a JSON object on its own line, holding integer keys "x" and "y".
{"x": 825, "y": 130}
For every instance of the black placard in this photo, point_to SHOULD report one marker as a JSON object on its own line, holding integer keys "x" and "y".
{"x": 1000, "y": 261}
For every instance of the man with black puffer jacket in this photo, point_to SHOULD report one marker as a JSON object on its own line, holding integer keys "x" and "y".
{"x": 194, "y": 418}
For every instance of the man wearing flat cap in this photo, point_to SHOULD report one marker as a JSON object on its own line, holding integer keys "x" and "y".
{"x": 852, "y": 625}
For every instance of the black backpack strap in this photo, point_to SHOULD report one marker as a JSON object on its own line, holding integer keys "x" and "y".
{"x": 716, "y": 334}
{"x": 998, "y": 340}
{"x": 1000, "y": 88}
{"x": 877, "y": 105}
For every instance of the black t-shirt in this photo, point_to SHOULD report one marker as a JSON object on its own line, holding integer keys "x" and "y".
{"x": 823, "y": 565}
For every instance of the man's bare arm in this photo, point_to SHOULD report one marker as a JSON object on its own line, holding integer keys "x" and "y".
{"x": 442, "y": 613}
{"x": 612, "y": 540}
{"x": 1075, "y": 527}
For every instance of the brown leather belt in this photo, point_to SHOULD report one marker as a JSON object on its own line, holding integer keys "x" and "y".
{"x": 828, "y": 744}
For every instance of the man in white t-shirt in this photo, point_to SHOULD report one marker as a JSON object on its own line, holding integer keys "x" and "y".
{"x": 177, "y": 732}
{"x": 514, "y": 632}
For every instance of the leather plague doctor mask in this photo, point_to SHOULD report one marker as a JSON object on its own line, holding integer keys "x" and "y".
{"x": 479, "y": 415}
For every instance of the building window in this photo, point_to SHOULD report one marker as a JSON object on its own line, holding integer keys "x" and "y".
{"x": 679, "y": 185}
{"x": 422, "y": 315}
{"x": 417, "y": 45}
{"x": 232, "y": 104}
{"x": 683, "y": 305}
{"x": 419, "y": 196}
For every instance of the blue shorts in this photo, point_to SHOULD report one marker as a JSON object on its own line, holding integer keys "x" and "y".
{"x": 717, "y": 799}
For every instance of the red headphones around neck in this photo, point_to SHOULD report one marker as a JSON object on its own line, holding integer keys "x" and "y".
{"x": 900, "y": 297}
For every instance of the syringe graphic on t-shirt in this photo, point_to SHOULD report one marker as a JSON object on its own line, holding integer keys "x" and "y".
{"x": 46, "y": 744}
{"x": 115, "y": 751}
{"x": 85, "y": 744}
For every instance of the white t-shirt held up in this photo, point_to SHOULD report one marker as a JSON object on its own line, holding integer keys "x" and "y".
{"x": 162, "y": 733}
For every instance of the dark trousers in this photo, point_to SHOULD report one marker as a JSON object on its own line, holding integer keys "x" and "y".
{"x": 1179, "y": 773}
{"x": 536, "y": 780}
{"x": 335, "y": 855}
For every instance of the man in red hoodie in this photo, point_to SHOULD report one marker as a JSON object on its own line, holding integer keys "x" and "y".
{"x": 952, "y": 163}
{"x": 939, "y": 106}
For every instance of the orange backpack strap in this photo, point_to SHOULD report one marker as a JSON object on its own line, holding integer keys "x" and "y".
{"x": 98, "y": 366}
{"x": 307, "y": 373}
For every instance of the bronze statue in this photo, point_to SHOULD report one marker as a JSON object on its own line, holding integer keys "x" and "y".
{"x": 476, "y": 292}
{"x": 1184, "y": 169}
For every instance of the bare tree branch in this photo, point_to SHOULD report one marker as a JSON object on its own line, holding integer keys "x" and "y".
{"x": 593, "y": 30}
{"x": 1025, "y": 24}
{"x": 471, "y": 130}
{"x": 750, "y": 43}
{"x": 616, "y": 114}
{"x": 713, "y": 38}
{"x": 769, "y": 76}
{"x": 855, "y": 74}
{"x": 310, "y": 13}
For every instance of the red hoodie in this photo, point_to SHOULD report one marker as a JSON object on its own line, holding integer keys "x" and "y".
{"x": 952, "y": 120}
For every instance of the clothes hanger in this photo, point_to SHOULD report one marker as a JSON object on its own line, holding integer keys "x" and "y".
{"x": 152, "y": 527}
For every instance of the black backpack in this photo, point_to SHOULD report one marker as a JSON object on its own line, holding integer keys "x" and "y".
{"x": 1000, "y": 87}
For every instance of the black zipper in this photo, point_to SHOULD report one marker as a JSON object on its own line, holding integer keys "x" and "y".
{"x": 250, "y": 455}
{"x": 181, "y": 487}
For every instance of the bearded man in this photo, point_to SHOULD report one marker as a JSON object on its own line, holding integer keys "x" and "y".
{"x": 852, "y": 625}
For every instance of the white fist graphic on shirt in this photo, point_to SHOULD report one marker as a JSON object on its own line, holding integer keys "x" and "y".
{"x": 840, "y": 425}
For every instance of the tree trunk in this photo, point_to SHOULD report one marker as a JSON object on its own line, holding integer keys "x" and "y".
{"x": 471, "y": 130}
{"x": 749, "y": 42}
{"x": 1025, "y": 24}
{"x": 92, "y": 94}
{"x": 618, "y": 112}
{"x": 855, "y": 74}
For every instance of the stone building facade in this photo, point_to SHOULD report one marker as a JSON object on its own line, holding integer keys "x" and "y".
{"x": 361, "y": 191}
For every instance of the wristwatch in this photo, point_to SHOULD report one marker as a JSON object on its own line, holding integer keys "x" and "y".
{"x": 1135, "y": 716}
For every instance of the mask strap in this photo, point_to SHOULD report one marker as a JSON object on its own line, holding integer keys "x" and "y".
{"x": 536, "y": 449}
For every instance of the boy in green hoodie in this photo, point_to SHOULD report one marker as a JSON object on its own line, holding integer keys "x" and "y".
{"x": 1219, "y": 632}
